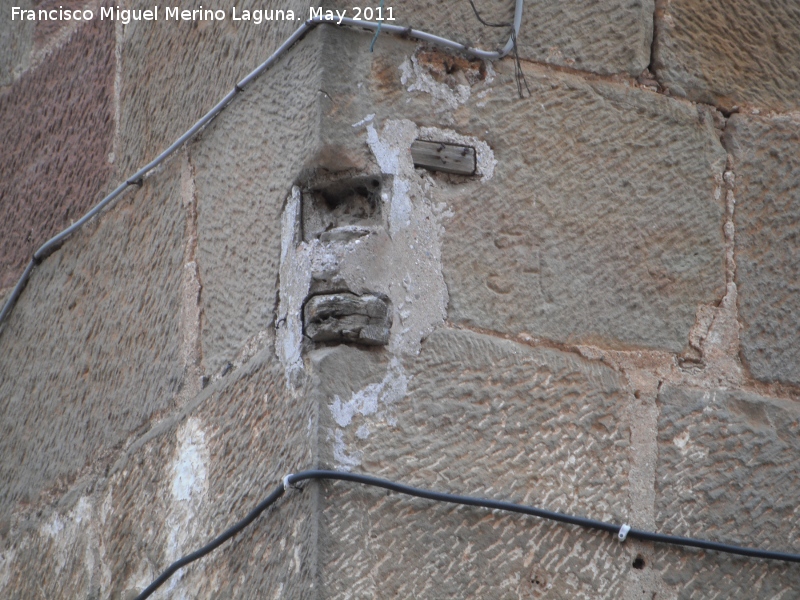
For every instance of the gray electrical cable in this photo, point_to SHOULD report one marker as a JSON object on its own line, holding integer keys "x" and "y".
{"x": 55, "y": 242}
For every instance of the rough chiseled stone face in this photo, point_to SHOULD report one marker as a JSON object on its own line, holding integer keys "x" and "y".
{"x": 605, "y": 37}
{"x": 728, "y": 471}
{"x": 173, "y": 73}
{"x": 245, "y": 164}
{"x": 558, "y": 246}
{"x": 59, "y": 118}
{"x": 767, "y": 219}
{"x": 594, "y": 217}
{"x": 599, "y": 222}
{"x": 16, "y": 40}
{"x": 476, "y": 415}
{"x": 96, "y": 344}
{"x": 730, "y": 54}
{"x": 193, "y": 475}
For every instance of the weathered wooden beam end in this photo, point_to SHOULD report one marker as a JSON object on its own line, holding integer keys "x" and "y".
{"x": 443, "y": 156}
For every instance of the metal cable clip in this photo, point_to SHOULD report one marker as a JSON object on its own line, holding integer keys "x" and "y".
{"x": 286, "y": 484}
{"x": 623, "y": 532}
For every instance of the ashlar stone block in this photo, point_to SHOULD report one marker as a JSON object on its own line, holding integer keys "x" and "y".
{"x": 92, "y": 348}
{"x": 57, "y": 127}
{"x": 602, "y": 222}
{"x": 767, "y": 246}
{"x": 728, "y": 54}
{"x": 728, "y": 470}
{"x": 245, "y": 164}
{"x": 477, "y": 415}
{"x": 174, "y": 72}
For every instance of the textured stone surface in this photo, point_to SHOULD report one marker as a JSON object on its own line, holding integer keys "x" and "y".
{"x": 730, "y": 54}
{"x": 187, "y": 480}
{"x": 51, "y": 32}
{"x": 60, "y": 117}
{"x": 173, "y": 74}
{"x": 16, "y": 41}
{"x": 600, "y": 221}
{"x": 92, "y": 348}
{"x": 253, "y": 435}
{"x": 476, "y": 415}
{"x": 246, "y": 164}
{"x": 767, "y": 219}
{"x": 608, "y": 36}
{"x": 573, "y": 251}
{"x": 727, "y": 471}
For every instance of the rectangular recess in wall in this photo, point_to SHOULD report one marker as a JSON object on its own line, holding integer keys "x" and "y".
{"x": 443, "y": 156}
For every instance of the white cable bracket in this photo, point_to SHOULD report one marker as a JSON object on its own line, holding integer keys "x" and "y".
{"x": 286, "y": 484}
{"x": 623, "y": 532}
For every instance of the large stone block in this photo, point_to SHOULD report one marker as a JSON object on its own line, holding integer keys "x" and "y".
{"x": 245, "y": 164}
{"x": 92, "y": 348}
{"x": 475, "y": 415}
{"x": 229, "y": 453}
{"x": 57, "y": 127}
{"x": 174, "y": 72}
{"x": 728, "y": 471}
{"x": 747, "y": 53}
{"x": 767, "y": 220}
{"x": 601, "y": 223}
{"x": 605, "y": 37}
{"x": 172, "y": 490}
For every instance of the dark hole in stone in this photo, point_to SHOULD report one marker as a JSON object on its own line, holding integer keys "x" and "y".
{"x": 538, "y": 579}
{"x": 331, "y": 201}
{"x": 638, "y": 562}
{"x": 345, "y": 203}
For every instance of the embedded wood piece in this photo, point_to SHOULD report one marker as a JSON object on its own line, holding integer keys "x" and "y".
{"x": 442, "y": 156}
{"x": 345, "y": 234}
{"x": 345, "y": 317}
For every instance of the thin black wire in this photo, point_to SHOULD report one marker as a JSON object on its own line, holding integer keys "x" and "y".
{"x": 483, "y": 22}
{"x": 318, "y": 474}
{"x": 519, "y": 75}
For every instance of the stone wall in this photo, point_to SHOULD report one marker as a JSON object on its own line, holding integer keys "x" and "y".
{"x": 602, "y": 319}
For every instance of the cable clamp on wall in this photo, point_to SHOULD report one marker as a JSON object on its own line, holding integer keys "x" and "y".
{"x": 286, "y": 484}
{"x": 623, "y": 532}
